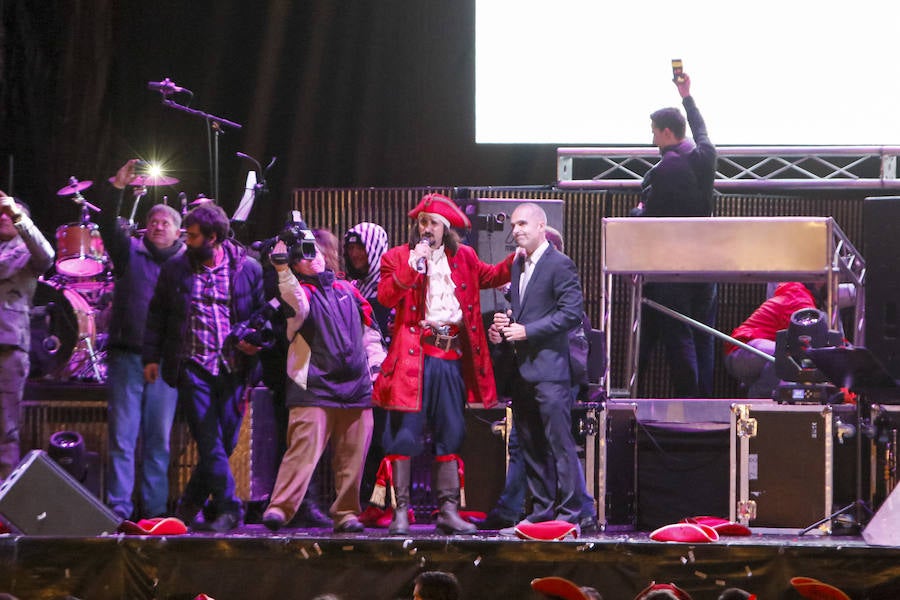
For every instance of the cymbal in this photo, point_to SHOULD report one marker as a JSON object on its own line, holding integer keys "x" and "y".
{"x": 150, "y": 180}
{"x": 74, "y": 188}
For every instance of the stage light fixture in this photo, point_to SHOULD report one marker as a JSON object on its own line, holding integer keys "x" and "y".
{"x": 801, "y": 381}
{"x": 68, "y": 450}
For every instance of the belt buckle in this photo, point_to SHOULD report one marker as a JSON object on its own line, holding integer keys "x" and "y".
{"x": 443, "y": 342}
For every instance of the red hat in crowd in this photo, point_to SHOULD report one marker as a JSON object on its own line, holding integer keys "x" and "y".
{"x": 442, "y": 207}
{"x": 558, "y": 587}
{"x": 671, "y": 587}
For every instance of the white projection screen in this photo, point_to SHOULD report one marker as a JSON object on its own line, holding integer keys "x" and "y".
{"x": 763, "y": 72}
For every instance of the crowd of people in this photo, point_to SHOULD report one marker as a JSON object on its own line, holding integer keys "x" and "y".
{"x": 367, "y": 357}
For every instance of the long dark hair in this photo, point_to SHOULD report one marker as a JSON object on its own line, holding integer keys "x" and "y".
{"x": 451, "y": 239}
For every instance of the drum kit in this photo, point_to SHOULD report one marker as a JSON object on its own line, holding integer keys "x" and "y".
{"x": 73, "y": 304}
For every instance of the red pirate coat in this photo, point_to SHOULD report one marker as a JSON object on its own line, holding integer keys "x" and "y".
{"x": 398, "y": 387}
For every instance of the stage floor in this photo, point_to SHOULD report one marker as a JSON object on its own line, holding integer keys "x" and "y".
{"x": 253, "y": 562}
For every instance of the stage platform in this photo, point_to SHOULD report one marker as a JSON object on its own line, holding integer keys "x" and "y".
{"x": 303, "y": 563}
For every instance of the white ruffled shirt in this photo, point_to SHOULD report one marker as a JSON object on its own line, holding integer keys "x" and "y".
{"x": 441, "y": 305}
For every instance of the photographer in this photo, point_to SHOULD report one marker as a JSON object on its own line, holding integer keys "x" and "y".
{"x": 333, "y": 356}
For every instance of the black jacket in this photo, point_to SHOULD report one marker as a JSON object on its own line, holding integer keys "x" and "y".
{"x": 167, "y": 337}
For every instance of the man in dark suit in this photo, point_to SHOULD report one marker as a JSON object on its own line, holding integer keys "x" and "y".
{"x": 546, "y": 303}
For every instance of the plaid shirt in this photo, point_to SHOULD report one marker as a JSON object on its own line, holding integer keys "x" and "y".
{"x": 210, "y": 318}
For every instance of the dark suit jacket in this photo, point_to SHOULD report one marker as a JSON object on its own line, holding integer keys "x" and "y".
{"x": 552, "y": 306}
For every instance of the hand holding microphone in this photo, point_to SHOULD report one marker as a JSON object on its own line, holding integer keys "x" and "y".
{"x": 422, "y": 252}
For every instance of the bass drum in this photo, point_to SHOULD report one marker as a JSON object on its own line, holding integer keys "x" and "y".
{"x": 62, "y": 321}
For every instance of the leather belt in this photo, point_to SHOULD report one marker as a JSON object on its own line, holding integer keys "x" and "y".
{"x": 447, "y": 343}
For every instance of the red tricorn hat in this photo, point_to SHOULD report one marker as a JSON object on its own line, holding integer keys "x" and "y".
{"x": 817, "y": 590}
{"x": 558, "y": 587}
{"x": 671, "y": 587}
{"x": 438, "y": 204}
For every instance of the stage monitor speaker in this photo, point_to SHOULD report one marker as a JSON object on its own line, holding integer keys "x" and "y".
{"x": 884, "y": 528}
{"x": 494, "y": 243}
{"x": 40, "y": 498}
{"x": 881, "y": 249}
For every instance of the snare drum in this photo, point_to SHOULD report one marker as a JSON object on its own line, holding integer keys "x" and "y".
{"x": 62, "y": 321}
{"x": 79, "y": 250}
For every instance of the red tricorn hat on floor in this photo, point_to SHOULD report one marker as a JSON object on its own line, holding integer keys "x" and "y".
{"x": 444, "y": 208}
{"x": 817, "y": 590}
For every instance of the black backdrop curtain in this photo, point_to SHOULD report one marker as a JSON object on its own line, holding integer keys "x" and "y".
{"x": 346, "y": 94}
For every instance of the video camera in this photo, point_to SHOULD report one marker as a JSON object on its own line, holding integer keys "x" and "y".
{"x": 297, "y": 236}
{"x": 257, "y": 330}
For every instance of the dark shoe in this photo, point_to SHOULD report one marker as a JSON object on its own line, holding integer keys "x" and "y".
{"x": 273, "y": 519}
{"x": 310, "y": 515}
{"x": 223, "y": 523}
{"x": 187, "y": 511}
{"x": 589, "y": 526}
{"x": 511, "y": 530}
{"x": 496, "y": 521}
{"x": 351, "y": 525}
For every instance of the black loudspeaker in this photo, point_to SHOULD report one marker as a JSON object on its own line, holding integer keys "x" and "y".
{"x": 884, "y": 528}
{"x": 881, "y": 249}
{"x": 40, "y": 498}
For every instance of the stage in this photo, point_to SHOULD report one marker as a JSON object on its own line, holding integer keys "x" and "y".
{"x": 299, "y": 563}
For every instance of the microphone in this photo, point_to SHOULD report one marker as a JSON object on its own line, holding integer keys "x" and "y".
{"x": 166, "y": 86}
{"x": 421, "y": 264}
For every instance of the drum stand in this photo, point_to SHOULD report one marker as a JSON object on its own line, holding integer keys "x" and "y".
{"x": 94, "y": 359}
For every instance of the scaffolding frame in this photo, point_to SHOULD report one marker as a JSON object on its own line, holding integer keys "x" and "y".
{"x": 739, "y": 168}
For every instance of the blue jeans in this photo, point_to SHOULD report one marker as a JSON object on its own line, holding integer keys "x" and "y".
{"x": 138, "y": 410}
{"x": 214, "y": 409}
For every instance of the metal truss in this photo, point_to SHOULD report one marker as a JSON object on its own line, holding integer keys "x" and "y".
{"x": 753, "y": 167}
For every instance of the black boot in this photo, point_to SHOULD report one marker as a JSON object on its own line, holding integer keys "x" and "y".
{"x": 446, "y": 483}
{"x": 401, "y": 475}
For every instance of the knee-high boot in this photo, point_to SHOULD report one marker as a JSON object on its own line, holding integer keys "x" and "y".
{"x": 401, "y": 479}
{"x": 447, "y": 485}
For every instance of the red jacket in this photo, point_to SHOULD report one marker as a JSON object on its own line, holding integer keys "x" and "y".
{"x": 398, "y": 387}
{"x": 773, "y": 315}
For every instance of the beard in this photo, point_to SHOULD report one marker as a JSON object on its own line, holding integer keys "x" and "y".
{"x": 202, "y": 253}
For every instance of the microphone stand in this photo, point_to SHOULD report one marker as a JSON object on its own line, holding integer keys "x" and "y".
{"x": 216, "y": 124}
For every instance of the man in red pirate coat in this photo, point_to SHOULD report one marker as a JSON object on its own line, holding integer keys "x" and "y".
{"x": 438, "y": 358}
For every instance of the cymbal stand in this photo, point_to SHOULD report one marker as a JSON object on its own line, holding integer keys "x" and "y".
{"x": 86, "y": 206}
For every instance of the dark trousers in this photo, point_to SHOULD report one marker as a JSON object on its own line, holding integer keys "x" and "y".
{"x": 214, "y": 408}
{"x": 542, "y": 413}
{"x": 689, "y": 352}
{"x": 443, "y": 401}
